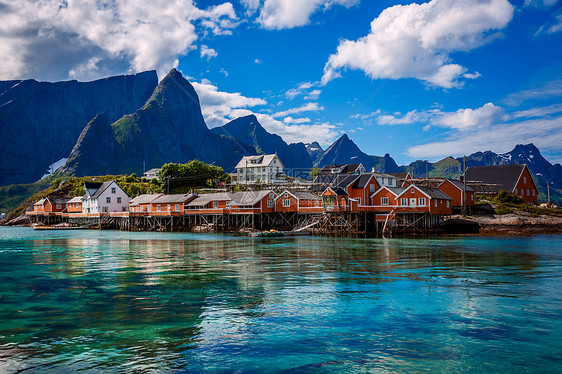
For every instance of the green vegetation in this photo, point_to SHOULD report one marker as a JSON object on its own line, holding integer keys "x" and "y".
{"x": 181, "y": 178}
{"x": 507, "y": 203}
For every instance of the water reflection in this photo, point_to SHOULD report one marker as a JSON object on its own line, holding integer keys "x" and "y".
{"x": 309, "y": 304}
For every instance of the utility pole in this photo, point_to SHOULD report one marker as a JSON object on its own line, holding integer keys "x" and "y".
{"x": 464, "y": 186}
{"x": 548, "y": 193}
{"x": 426, "y": 169}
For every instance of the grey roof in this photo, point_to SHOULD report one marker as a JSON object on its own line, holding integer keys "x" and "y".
{"x": 77, "y": 199}
{"x": 58, "y": 200}
{"x": 255, "y": 161}
{"x": 175, "y": 198}
{"x": 434, "y": 193}
{"x": 154, "y": 170}
{"x": 345, "y": 180}
{"x": 399, "y": 175}
{"x": 362, "y": 181}
{"x": 101, "y": 188}
{"x": 340, "y": 169}
{"x": 505, "y": 176}
{"x": 247, "y": 197}
{"x": 459, "y": 185}
{"x": 144, "y": 199}
{"x": 205, "y": 199}
{"x": 305, "y": 195}
{"x": 40, "y": 202}
{"x": 325, "y": 178}
{"x": 395, "y": 190}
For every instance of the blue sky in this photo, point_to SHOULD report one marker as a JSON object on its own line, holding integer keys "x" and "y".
{"x": 417, "y": 80}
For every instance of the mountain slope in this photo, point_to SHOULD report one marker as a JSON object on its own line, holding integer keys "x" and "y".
{"x": 41, "y": 121}
{"x": 169, "y": 127}
{"x": 249, "y": 131}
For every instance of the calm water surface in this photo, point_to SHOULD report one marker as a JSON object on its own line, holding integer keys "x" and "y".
{"x": 162, "y": 302}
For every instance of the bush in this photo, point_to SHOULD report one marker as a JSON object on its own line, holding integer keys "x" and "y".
{"x": 509, "y": 198}
{"x": 502, "y": 209}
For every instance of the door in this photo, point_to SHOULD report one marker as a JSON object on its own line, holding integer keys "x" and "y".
{"x": 413, "y": 201}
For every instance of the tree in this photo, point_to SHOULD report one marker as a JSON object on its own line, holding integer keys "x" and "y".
{"x": 195, "y": 174}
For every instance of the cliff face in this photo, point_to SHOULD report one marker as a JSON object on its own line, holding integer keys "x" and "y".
{"x": 249, "y": 131}
{"x": 169, "y": 127}
{"x": 40, "y": 122}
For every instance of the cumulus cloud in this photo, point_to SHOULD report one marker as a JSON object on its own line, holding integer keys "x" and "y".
{"x": 313, "y": 95}
{"x": 417, "y": 40}
{"x": 208, "y": 52}
{"x": 308, "y": 107}
{"x": 498, "y": 131}
{"x": 217, "y": 106}
{"x": 53, "y": 40}
{"x": 296, "y": 120}
{"x": 303, "y": 88}
{"x": 287, "y": 14}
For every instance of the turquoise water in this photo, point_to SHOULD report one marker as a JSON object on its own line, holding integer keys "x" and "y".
{"x": 104, "y": 301}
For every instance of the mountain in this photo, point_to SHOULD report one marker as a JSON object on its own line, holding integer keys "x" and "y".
{"x": 41, "y": 121}
{"x": 345, "y": 151}
{"x": 315, "y": 151}
{"x": 249, "y": 131}
{"x": 169, "y": 127}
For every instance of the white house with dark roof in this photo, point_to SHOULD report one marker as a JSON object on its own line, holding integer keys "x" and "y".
{"x": 261, "y": 168}
{"x": 104, "y": 197}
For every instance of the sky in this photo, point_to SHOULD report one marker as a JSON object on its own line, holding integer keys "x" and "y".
{"x": 418, "y": 80}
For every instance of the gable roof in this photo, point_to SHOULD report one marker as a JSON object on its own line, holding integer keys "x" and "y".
{"x": 173, "y": 198}
{"x": 100, "y": 189}
{"x": 247, "y": 197}
{"x": 205, "y": 199}
{"x": 300, "y": 195}
{"x": 77, "y": 199}
{"x": 458, "y": 184}
{"x": 504, "y": 176}
{"x": 394, "y": 190}
{"x": 363, "y": 180}
{"x": 399, "y": 175}
{"x": 259, "y": 160}
{"x": 144, "y": 199}
{"x": 345, "y": 180}
{"x": 434, "y": 193}
{"x": 341, "y": 169}
{"x": 40, "y": 202}
{"x": 337, "y": 190}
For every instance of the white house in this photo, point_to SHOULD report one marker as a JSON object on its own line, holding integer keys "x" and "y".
{"x": 386, "y": 180}
{"x": 261, "y": 168}
{"x": 151, "y": 174}
{"x": 104, "y": 198}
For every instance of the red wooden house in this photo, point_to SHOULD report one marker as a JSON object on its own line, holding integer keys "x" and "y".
{"x": 516, "y": 179}
{"x": 74, "y": 205}
{"x": 418, "y": 199}
{"x": 210, "y": 203}
{"x": 170, "y": 205}
{"x": 298, "y": 201}
{"x": 251, "y": 202}
{"x": 455, "y": 189}
{"x": 141, "y": 203}
{"x": 50, "y": 206}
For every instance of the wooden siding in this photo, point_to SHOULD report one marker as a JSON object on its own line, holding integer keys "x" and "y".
{"x": 525, "y": 187}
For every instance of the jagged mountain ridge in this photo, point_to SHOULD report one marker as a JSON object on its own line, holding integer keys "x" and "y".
{"x": 169, "y": 127}
{"x": 41, "y": 121}
{"x": 315, "y": 151}
{"x": 249, "y": 131}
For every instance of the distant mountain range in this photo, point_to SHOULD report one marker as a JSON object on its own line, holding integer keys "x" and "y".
{"x": 129, "y": 123}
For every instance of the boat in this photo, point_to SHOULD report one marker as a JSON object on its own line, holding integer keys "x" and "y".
{"x": 59, "y": 228}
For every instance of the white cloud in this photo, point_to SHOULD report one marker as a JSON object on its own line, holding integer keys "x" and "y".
{"x": 258, "y": 61}
{"x": 290, "y": 120}
{"x": 286, "y": 14}
{"x": 416, "y": 41}
{"x": 217, "y": 106}
{"x": 208, "y": 52}
{"x": 490, "y": 127}
{"x": 53, "y": 40}
{"x": 546, "y": 90}
{"x": 308, "y": 107}
{"x": 407, "y": 119}
{"x": 313, "y": 95}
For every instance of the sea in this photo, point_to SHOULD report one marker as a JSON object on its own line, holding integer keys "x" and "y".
{"x": 140, "y": 302}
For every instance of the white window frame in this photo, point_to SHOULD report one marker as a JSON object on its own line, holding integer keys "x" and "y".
{"x": 286, "y": 203}
{"x": 384, "y": 200}
{"x": 435, "y": 203}
{"x": 215, "y": 204}
{"x": 108, "y": 200}
{"x": 404, "y": 200}
{"x": 372, "y": 187}
{"x": 413, "y": 190}
{"x": 159, "y": 208}
{"x": 271, "y": 203}
{"x": 177, "y": 207}
{"x": 421, "y": 201}
{"x": 113, "y": 190}
{"x": 118, "y": 200}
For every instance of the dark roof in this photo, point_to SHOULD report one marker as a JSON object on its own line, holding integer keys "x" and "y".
{"x": 362, "y": 181}
{"x": 92, "y": 185}
{"x": 339, "y": 191}
{"x": 326, "y": 178}
{"x": 204, "y": 199}
{"x": 505, "y": 176}
{"x": 345, "y": 180}
{"x": 248, "y": 198}
{"x": 399, "y": 175}
{"x": 340, "y": 169}
{"x": 102, "y": 188}
{"x": 434, "y": 193}
{"x": 58, "y": 200}
{"x": 305, "y": 195}
{"x": 174, "y": 198}
{"x": 459, "y": 185}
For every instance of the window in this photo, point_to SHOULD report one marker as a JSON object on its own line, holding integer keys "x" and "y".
{"x": 447, "y": 203}
{"x": 158, "y": 207}
{"x": 168, "y": 207}
{"x": 58, "y": 206}
{"x": 404, "y": 201}
{"x": 108, "y": 200}
{"x": 358, "y": 201}
{"x": 412, "y": 190}
{"x": 472, "y": 197}
{"x": 382, "y": 181}
{"x": 272, "y": 196}
{"x": 533, "y": 192}
{"x": 421, "y": 201}
{"x": 435, "y": 203}
{"x": 372, "y": 188}
{"x": 384, "y": 200}
{"x": 524, "y": 179}
{"x": 177, "y": 207}
{"x": 113, "y": 189}
{"x": 516, "y": 191}
{"x": 215, "y": 204}
{"x": 286, "y": 203}
{"x": 118, "y": 200}
{"x": 528, "y": 193}
{"x": 270, "y": 203}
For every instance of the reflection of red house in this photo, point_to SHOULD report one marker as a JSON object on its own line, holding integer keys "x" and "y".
{"x": 298, "y": 201}
{"x": 455, "y": 190}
